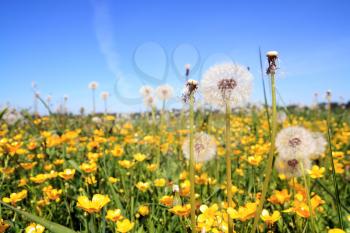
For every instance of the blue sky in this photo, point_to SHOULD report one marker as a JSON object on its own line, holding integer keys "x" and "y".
{"x": 62, "y": 45}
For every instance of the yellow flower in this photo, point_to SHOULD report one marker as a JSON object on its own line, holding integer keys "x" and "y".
{"x": 28, "y": 166}
{"x": 124, "y": 226}
{"x": 159, "y": 182}
{"x": 126, "y": 163}
{"x": 139, "y": 157}
{"x": 89, "y": 167}
{"x": 117, "y": 151}
{"x": 3, "y": 226}
{"x": 279, "y": 197}
{"x": 15, "y": 197}
{"x": 152, "y": 167}
{"x": 35, "y": 228}
{"x": 40, "y": 178}
{"x": 143, "y": 210}
{"x": 114, "y": 215}
{"x": 142, "y": 186}
{"x": 95, "y": 205}
{"x": 270, "y": 219}
{"x": 167, "y": 200}
{"x": 316, "y": 172}
{"x": 113, "y": 180}
{"x": 67, "y": 174}
{"x": 180, "y": 210}
{"x": 244, "y": 212}
{"x": 254, "y": 160}
{"x": 52, "y": 194}
{"x": 336, "y": 230}
{"x": 208, "y": 215}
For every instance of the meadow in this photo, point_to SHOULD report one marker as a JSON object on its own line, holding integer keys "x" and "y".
{"x": 243, "y": 169}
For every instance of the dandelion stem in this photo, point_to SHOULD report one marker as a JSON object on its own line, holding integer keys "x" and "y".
{"x": 192, "y": 191}
{"x": 268, "y": 168}
{"x": 228, "y": 161}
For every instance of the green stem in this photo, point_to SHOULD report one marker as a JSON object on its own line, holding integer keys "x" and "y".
{"x": 192, "y": 191}
{"x": 268, "y": 168}
{"x": 228, "y": 161}
{"x": 308, "y": 199}
{"x": 334, "y": 177}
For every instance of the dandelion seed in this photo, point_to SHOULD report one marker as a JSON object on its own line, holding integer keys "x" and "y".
{"x": 204, "y": 147}
{"x": 165, "y": 92}
{"x": 295, "y": 142}
{"x": 226, "y": 83}
{"x": 291, "y": 167}
{"x": 146, "y": 91}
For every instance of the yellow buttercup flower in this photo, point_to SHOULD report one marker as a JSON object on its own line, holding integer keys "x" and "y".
{"x": 181, "y": 210}
{"x": 52, "y": 194}
{"x": 243, "y": 213}
{"x": 143, "y": 210}
{"x": 67, "y": 174}
{"x": 167, "y": 200}
{"x": 159, "y": 182}
{"x": 3, "y": 226}
{"x": 95, "y": 205}
{"x": 270, "y": 219}
{"x": 114, "y": 215}
{"x": 124, "y": 226}
{"x": 336, "y": 230}
{"x": 139, "y": 157}
{"x": 117, "y": 151}
{"x": 40, "y": 178}
{"x": 142, "y": 186}
{"x": 316, "y": 172}
{"x": 88, "y": 167}
{"x": 279, "y": 197}
{"x": 126, "y": 163}
{"x": 15, "y": 197}
{"x": 35, "y": 228}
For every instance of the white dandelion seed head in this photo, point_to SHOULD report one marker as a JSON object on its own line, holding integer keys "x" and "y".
{"x": 320, "y": 145}
{"x": 149, "y": 101}
{"x": 104, "y": 95}
{"x": 93, "y": 85}
{"x": 96, "y": 120}
{"x": 165, "y": 92}
{"x": 204, "y": 147}
{"x": 227, "y": 83}
{"x": 146, "y": 91}
{"x": 11, "y": 116}
{"x": 295, "y": 142}
{"x": 292, "y": 167}
{"x": 272, "y": 53}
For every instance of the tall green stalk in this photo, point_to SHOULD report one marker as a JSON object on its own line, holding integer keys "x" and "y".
{"x": 268, "y": 168}
{"x": 192, "y": 191}
{"x": 314, "y": 228}
{"x": 334, "y": 179}
{"x": 228, "y": 161}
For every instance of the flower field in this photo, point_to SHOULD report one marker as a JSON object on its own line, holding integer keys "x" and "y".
{"x": 239, "y": 168}
{"x": 126, "y": 174}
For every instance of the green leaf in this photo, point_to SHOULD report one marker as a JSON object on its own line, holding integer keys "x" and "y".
{"x": 53, "y": 227}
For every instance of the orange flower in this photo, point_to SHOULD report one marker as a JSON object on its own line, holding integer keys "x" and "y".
{"x": 279, "y": 197}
